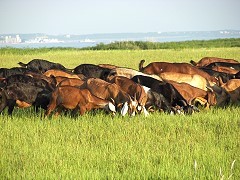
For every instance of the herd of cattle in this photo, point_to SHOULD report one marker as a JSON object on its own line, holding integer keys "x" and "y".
{"x": 170, "y": 87}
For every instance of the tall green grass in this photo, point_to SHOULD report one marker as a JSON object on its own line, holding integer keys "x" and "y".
{"x": 201, "y": 146}
{"x": 204, "y": 145}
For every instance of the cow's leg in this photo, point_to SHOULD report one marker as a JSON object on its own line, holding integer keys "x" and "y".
{"x": 82, "y": 110}
{"x": 52, "y": 105}
{"x": 50, "y": 108}
{"x": 11, "y": 104}
{"x": 59, "y": 110}
{"x": 74, "y": 112}
{"x": 3, "y": 107}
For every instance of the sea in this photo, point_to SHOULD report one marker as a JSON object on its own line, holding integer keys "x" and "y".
{"x": 39, "y": 40}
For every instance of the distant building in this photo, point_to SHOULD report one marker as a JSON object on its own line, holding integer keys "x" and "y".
{"x": 11, "y": 40}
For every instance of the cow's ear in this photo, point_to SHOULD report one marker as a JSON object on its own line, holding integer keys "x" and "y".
{"x": 111, "y": 107}
{"x": 209, "y": 88}
{"x": 124, "y": 109}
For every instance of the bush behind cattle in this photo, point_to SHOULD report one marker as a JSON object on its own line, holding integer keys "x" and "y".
{"x": 204, "y": 145}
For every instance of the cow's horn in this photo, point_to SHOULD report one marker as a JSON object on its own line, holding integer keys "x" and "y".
{"x": 209, "y": 88}
{"x": 112, "y": 100}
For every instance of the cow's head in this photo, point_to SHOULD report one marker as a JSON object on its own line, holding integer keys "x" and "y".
{"x": 222, "y": 96}
{"x": 129, "y": 107}
{"x": 211, "y": 98}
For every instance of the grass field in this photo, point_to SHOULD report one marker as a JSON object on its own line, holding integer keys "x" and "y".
{"x": 205, "y": 145}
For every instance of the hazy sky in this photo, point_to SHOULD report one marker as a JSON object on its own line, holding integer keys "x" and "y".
{"x": 117, "y": 16}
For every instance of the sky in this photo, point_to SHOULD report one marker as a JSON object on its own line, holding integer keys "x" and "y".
{"x": 117, "y": 16}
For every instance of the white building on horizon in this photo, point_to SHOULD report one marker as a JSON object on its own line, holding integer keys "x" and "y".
{"x": 11, "y": 40}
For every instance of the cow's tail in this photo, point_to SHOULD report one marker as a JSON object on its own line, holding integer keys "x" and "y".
{"x": 22, "y": 64}
{"x": 141, "y": 65}
{"x": 193, "y": 62}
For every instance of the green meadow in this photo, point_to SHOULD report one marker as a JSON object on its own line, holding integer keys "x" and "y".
{"x": 205, "y": 145}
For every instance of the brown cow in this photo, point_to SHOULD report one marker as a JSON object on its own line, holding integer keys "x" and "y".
{"x": 233, "y": 88}
{"x": 71, "y": 82}
{"x": 69, "y": 97}
{"x": 133, "y": 89}
{"x": 190, "y": 93}
{"x": 128, "y": 73}
{"x": 194, "y": 80}
{"x": 160, "y": 67}
{"x": 55, "y": 72}
{"x": 208, "y": 60}
{"x": 223, "y": 69}
{"x": 59, "y": 79}
{"x": 109, "y": 91}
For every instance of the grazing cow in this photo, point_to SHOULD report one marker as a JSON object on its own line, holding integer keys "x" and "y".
{"x": 223, "y": 69}
{"x": 28, "y": 80}
{"x": 109, "y": 91}
{"x": 41, "y": 66}
{"x": 166, "y": 89}
{"x": 24, "y": 91}
{"x": 160, "y": 67}
{"x": 225, "y": 77}
{"x": 133, "y": 89}
{"x": 194, "y": 80}
{"x": 128, "y": 73}
{"x": 208, "y": 60}
{"x": 56, "y": 72}
{"x": 91, "y": 70}
{"x": 69, "y": 97}
{"x": 5, "y": 72}
{"x": 157, "y": 101}
{"x": 233, "y": 88}
{"x": 190, "y": 93}
{"x": 71, "y": 82}
{"x": 22, "y": 95}
{"x": 235, "y": 66}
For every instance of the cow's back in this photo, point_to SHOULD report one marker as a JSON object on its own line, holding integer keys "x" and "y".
{"x": 208, "y": 60}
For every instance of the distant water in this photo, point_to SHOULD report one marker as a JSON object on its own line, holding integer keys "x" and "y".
{"x": 79, "y": 41}
{"x": 48, "y": 45}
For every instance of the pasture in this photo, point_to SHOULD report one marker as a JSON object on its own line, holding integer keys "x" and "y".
{"x": 204, "y": 145}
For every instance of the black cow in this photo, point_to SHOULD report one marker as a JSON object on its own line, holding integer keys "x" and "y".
{"x": 41, "y": 66}
{"x": 5, "y": 72}
{"x": 173, "y": 97}
{"x": 19, "y": 78}
{"x": 91, "y": 70}
{"x": 24, "y": 91}
{"x": 158, "y": 101}
{"x": 23, "y": 95}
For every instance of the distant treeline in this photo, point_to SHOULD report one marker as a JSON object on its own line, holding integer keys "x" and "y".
{"x": 134, "y": 45}
{"x": 143, "y": 45}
